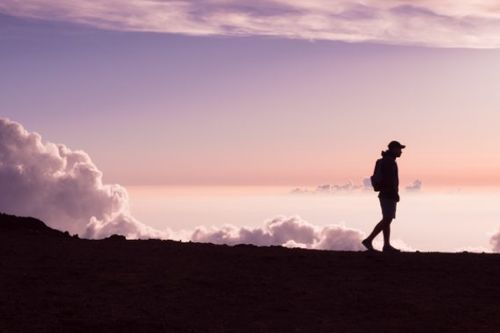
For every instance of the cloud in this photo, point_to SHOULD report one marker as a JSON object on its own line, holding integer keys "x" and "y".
{"x": 349, "y": 187}
{"x": 438, "y": 23}
{"x": 286, "y": 231}
{"x": 62, "y": 187}
{"x": 367, "y": 184}
{"x": 495, "y": 242}
{"x": 416, "y": 186}
{"x": 329, "y": 189}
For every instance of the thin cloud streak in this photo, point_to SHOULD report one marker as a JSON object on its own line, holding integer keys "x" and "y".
{"x": 436, "y": 23}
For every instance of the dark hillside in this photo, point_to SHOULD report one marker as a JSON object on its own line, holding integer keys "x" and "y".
{"x": 50, "y": 282}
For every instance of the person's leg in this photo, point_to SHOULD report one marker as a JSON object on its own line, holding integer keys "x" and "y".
{"x": 382, "y": 226}
{"x": 387, "y": 234}
{"x": 390, "y": 211}
{"x": 388, "y": 207}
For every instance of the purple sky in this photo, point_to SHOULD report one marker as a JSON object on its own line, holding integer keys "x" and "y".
{"x": 159, "y": 108}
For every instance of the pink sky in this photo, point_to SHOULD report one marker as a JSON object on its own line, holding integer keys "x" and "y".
{"x": 65, "y": 189}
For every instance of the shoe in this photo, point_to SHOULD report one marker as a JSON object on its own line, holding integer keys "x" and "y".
{"x": 389, "y": 248}
{"x": 366, "y": 243}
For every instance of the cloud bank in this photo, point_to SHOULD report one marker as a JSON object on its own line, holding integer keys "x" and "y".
{"x": 287, "y": 231}
{"x": 62, "y": 187}
{"x": 437, "y": 23}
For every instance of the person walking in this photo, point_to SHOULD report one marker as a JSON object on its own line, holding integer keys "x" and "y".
{"x": 385, "y": 180}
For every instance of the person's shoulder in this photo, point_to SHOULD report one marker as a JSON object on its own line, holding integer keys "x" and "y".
{"x": 388, "y": 163}
{"x": 386, "y": 160}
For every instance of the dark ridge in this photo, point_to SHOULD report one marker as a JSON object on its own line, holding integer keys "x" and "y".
{"x": 52, "y": 284}
{"x": 27, "y": 225}
{"x": 115, "y": 238}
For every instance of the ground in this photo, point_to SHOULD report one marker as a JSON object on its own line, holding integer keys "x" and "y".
{"x": 52, "y": 282}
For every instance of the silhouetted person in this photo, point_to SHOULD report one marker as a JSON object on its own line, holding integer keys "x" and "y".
{"x": 385, "y": 179}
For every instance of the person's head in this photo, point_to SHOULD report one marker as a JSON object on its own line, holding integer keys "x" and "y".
{"x": 396, "y": 148}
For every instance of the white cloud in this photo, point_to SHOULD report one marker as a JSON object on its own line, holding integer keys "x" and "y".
{"x": 416, "y": 186}
{"x": 287, "y": 231}
{"x": 330, "y": 188}
{"x": 347, "y": 187}
{"x": 62, "y": 187}
{"x": 440, "y": 23}
{"x": 495, "y": 242}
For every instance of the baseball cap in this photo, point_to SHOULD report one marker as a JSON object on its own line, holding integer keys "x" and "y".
{"x": 395, "y": 144}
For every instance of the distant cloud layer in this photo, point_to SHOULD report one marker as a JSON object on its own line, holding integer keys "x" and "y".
{"x": 62, "y": 187}
{"x": 329, "y": 189}
{"x": 350, "y": 187}
{"x": 439, "y": 23}
{"x": 287, "y": 231}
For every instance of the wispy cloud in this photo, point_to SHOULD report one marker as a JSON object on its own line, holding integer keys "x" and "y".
{"x": 438, "y": 23}
{"x": 416, "y": 186}
{"x": 329, "y": 189}
{"x": 350, "y": 187}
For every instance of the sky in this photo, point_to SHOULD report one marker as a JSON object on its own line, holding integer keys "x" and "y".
{"x": 272, "y": 93}
{"x": 155, "y": 106}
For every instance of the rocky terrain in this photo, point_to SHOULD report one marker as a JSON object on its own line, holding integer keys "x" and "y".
{"x": 52, "y": 282}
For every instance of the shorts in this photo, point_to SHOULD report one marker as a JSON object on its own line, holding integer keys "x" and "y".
{"x": 388, "y": 208}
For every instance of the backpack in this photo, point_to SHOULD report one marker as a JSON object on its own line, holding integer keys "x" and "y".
{"x": 376, "y": 178}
